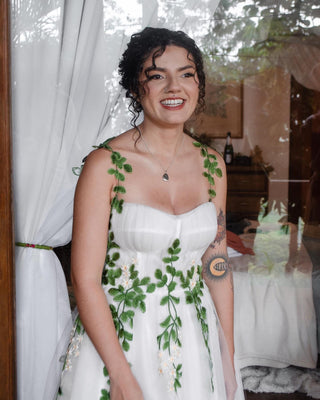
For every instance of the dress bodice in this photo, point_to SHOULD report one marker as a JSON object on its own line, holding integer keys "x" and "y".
{"x": 144, "y": 231}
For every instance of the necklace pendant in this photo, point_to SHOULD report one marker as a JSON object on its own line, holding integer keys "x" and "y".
{"x": 165, "y": 177}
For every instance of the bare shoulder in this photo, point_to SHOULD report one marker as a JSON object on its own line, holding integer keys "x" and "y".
{"x": 123, "y": 142}
{"x": 100, "y": 159}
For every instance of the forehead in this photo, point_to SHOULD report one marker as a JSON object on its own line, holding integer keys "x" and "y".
{"x": 173, "y": 56}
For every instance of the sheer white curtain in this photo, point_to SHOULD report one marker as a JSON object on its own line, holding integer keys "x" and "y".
{"x": 65, "y": 98}
{"x": 59, "y": 103}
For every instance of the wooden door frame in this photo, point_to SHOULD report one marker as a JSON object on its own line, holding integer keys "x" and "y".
{"x": 7, "y": 292}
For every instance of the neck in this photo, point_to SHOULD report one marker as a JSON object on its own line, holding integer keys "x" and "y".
{"x": 162, "y": 140}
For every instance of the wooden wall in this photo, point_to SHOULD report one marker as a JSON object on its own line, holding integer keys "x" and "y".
{"x": 7, "y": 331}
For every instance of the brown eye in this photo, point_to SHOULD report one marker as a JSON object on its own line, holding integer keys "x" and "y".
{"x": 188, "y": 75}
{"x": 154, "y": 77}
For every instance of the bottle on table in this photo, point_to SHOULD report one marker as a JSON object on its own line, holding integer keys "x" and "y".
{"x": 228, "y": 150}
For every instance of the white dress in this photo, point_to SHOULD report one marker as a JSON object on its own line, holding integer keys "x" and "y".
{"x": 162, "y": 310}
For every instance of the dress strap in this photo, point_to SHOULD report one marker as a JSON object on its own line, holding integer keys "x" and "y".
{"x": 211, "y": 166}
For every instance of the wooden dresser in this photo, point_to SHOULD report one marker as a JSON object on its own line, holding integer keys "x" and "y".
{"x": 247, "y": 186}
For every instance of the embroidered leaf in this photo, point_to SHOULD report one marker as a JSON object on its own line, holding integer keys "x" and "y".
{"x": 176, "y": 243}
{"x": 211, "y": 180}
{"x": 145, "y": 281}
{"x": 164, "y": 300}
{"x": 119, "y": 297}
{"x": 114, "y": 291}
{"x": 128, "y": 335}
{"x": 164, "y": 279}
{"x": 151, "y": 288}
{"x": 127, "y": 168}
{"x": 219, "y": 172}
{"x": 125, "y": 345}
{"x": 128, "y": 302}
{"x": 104, "y": 395}
{"x": 119, "y": 189}
{"x": 124, "y": 317}
{"x": 134, "y": 275}
{"x": 131, "y": 295}
{"x": 165, "y": 323}
{"x": 115, "y": 256}
{"x": 171, "y": 286}
{"x": 136, "y": 282}
{"x": 118, "y": 175}
{"x": 189, "y": 298}
{"x": 158, "y": 274}
{"x": 175, "y": 299}
{"x": 172, "y": 270}
{"x": 138, "y": 289}
{"x": 76, "y": 170}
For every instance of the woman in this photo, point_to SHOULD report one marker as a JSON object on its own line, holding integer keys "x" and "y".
{"x": 153, "y": 199}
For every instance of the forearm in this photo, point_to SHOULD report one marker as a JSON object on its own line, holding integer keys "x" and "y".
{"x": 222, "y": 296}
{"x": 97, "y": 320}
{"x": 218, "y": 276}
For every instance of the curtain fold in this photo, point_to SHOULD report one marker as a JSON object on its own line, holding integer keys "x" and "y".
{"x": 58, "y": 70}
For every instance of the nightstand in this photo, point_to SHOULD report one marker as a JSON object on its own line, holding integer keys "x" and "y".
{"x": 247, "y": 185}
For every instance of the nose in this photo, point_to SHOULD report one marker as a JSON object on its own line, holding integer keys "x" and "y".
{"x": 173, "y": 85}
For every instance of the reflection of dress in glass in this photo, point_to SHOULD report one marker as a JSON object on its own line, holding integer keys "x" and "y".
{"x": 163, "y": 312}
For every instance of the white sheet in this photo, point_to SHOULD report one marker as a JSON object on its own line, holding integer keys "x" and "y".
{"x": 275, "y": 323}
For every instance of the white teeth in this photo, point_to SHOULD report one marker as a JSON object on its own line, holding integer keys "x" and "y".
{"x": 172, "y": 102}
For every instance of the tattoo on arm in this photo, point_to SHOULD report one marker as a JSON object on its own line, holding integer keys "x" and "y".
{"x": 218, "y": 268}
{"x": 221, "y": 220}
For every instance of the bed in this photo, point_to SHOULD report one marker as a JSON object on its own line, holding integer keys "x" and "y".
{"x": 275, "y": 322}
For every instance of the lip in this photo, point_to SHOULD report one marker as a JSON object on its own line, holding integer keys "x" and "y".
{"x": 173, "y": 103}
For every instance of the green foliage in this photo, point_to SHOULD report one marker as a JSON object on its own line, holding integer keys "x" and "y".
{"x": 193, "y": 284}
{"x": 211, "y": 165}
{"x": 104, "y": 395}
{"x": 78, "y": 326}
{"x": 243, "y": 35}
{"x": 172, "y": 322}
{"x": 129, "y": 299}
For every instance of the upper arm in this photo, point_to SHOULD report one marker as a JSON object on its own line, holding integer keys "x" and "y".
{"x": 91, "y": 218}
{"x": 215, "y": 259}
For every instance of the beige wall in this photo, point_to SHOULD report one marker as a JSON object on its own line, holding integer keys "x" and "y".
{"x": 266, "y": 123}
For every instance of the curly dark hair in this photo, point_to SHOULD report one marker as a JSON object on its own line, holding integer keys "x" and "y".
{"x": 140, "y": 47}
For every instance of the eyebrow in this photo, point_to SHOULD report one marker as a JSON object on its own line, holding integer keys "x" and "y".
{"x": 164, "y": 69}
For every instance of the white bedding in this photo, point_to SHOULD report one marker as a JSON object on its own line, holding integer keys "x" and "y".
{"x": 275, "y": 323}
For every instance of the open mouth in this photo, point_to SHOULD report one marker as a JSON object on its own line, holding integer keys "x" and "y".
{"x": 172, "y": 102}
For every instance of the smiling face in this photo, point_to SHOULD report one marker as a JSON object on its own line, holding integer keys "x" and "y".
{"x": 169, "y": 87}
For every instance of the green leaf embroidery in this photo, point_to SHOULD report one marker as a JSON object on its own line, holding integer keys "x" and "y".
{"x": 171, "y": 324}
{"x": 193, "y": 284}
{"x": 211, "y": 166}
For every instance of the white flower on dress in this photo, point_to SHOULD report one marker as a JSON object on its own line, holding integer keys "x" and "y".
{"x": 125, "y": 276}
{"x": 167, "y": 364}
{"x": 73, "y": 350}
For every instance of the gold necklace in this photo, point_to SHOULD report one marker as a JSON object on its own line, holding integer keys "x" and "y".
{"x": 165, "y": 175}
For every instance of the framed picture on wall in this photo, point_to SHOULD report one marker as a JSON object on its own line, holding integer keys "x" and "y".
{"x": 223, "y": 113}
